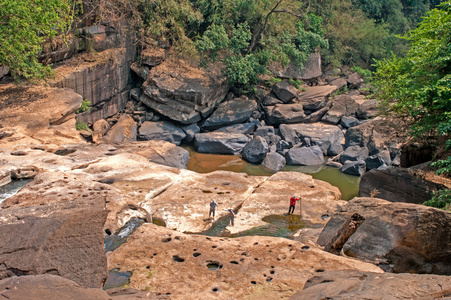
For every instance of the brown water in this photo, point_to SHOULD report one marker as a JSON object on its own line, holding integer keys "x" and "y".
{"x": 206, "y": 163}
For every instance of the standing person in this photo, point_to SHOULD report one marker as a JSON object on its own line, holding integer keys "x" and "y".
{"x": 213, "y": 205}
{"x": 232, "y": 217}
{"x": 292, "y": 204}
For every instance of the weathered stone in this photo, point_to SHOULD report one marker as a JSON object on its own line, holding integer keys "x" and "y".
{"x": 352, "y": 284}
{"x": 237, "y": 110}
{"x": 311, "y": 68}
{"x": 397, "y": 185}
{"x": 406, "y": 237}
{"x": 163, "y": 131}
{"x": 220, "y": 142}
{"x": 317, "y": 115}
{"x": 334, "y": 114}
{"x": 285, "y": 91}
{"x": 354, "y": 153}
{"x": 270, "y": 101}
{"x": 236, "y": 265}
{"x": 340, "y": 83}
{"x": 353, "y": 167}
{"x": 152, "y": 56}
{"x": 305, "y": 156}
{"x": 190, "y": 131}
{"x": 274, "y": 161}
{"x": 132, "y": 294}
{"x": 50, "y": 239}
{"x": 314, "y": 98}
{"x": 125, "y": 130}
{"x": 348, "y": 122}
{"x": 245, "y": 128}
{"x": 24, "y": 172}
{"x": 255, "y": 150}
{"x": 377, "y": 160}
{"x": 284, "y": 114}
{"x": 4, "y": 70}
{"x": 47, "y": 286}
{"x": 354, "y": 80}
{"x": 318, "y": 133}
{"x": 99, "y": 128}
{"x": 140, "y": 70}
{"x": 184, "y": 93}
{"x": 368, "y": 110}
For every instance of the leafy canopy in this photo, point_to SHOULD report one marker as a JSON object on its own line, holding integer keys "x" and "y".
{"x": 418, "y": 86}
{"x": 24, "y": 26}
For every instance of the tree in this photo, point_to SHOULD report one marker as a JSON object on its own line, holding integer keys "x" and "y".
{"x": 418, "y": 87}
{"x": 247, "y": 35}
{"x": 24, "y": 26}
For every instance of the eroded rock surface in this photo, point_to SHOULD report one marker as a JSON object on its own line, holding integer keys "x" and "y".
{"x": 222, "y": 268}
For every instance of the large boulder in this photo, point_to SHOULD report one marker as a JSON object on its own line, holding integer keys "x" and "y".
{"x": 163, "y": 131}
{"x": 314, "y": 98}
{"x": 220, "y": 142}
{"x": 354, "y": 153}
{"x": 285, "y": 91}
{"x": 125, "y": 130}
{"x": 402, "y": 237}
{"x": 368, "y": 110}
{"x": 53, "y": 239}
{"x": 184, "y": 93}
{"x": 354, "y": 167}
{"x": 244, "y": 128}
{"x": 305, "y": 156}
{"x": 326, "y": 136}
{"x": 274, "y": 161}
{"x": 354, "y": 80}
{"x": 284, "y": 114}
{"x": 255, "y": 150}
{"x": 353, "y": 284}
{"x": 234, "y": 111}
{"x": 397, "y": 185}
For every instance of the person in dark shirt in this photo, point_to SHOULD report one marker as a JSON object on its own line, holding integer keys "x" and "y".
{"x": 213, "y": 205}
{"x": 232, "y": 216}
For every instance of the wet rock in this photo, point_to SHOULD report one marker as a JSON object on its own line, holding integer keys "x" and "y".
{"x": 237, "y": 110}
{"x": 220, "y": 142}
{"x": 48, "y": 238}
{"x": 407, "y": 237}
{"x": 274, "y": 161}
{"x": 125, "y": 130}
{"x": 305, "y": 156}
{"x": 397, "y": 185}
{"x": 231, "y": 267}
{"x": 163, "y": 131}
{"x": 352, "y": 284}
{"x": 47, "y": 286}
{"x": 353, "y": 167}
{"x": 183, "y": 93}
{"x": 255, "y": 150}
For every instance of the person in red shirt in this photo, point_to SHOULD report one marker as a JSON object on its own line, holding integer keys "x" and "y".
{"x": 292, "y": 204}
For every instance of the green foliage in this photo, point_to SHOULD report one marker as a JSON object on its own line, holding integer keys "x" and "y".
{"x": 85, "y": 106}
{"x": 296, "y": 83}
{"x": 247, "y": 35}
{"x": 366, "y": 74}
{"x": 418, "y": 86}
{"x": 444, "y": 166}
{"x": 24, "y": 26}
{"x": 272, "y": 81}
{"x": 440, "y": 199}
{"x": 81, "y": 126}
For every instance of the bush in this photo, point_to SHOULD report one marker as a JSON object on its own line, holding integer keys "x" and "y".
{"x": 440, "y": 199}
{"x": 81, "y": 126}
{"x": 85, "y": 106}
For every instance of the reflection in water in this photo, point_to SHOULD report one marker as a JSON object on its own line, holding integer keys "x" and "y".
{"x": 10, "y": 189}
{"x": 205, "y": 163}
{"x": 117, "y": 279}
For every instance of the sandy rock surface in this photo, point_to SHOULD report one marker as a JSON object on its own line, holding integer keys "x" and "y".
{"x": 184, "y": 265}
